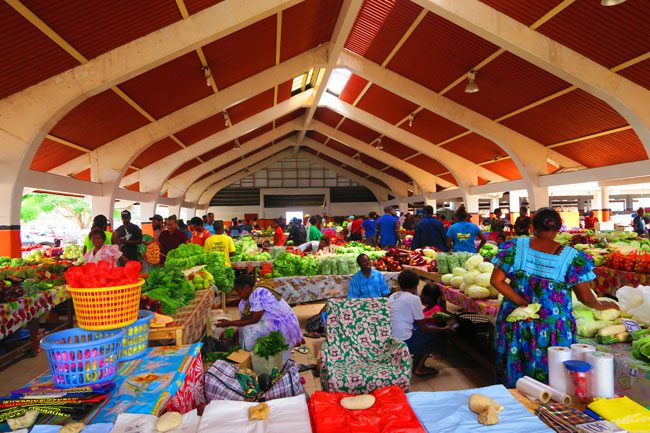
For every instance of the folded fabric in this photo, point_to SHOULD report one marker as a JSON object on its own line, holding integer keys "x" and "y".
{"x": 624, "y": 412}
{"x": 561, "y": 417}
{"x": 391, "y": 413}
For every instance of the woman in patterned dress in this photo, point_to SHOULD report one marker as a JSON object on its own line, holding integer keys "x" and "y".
{"x": 262, "y": 311}
{"x": 540, "y": 271}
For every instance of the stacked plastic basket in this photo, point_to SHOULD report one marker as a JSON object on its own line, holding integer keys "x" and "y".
{"x": 111, "y": 329}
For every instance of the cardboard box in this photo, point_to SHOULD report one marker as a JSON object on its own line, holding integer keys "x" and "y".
{"x": 604, "y": 226}
{"x": 241, "y": 359}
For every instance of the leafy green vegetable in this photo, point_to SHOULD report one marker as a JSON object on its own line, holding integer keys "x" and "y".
{"x": 169, "y": 286}
{"x": 641, "y": 349}
{"x": 224, "y": 277}
{"x": 272, "y": 344}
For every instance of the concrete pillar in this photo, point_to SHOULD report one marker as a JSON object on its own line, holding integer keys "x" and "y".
{"x": 175, "y": 209}
{"x": 104, "y": 205}
{"x": 471, "y": 205}
{"x": 10, "y": 244}
{"x": 403, "y": 207}
{"x": 261, "y": 213}
{"x": 538, "y": 198}
{"x": 431, "y": 202}
{"x": 605, "y": 210}
{"x": 515, "y": 205}
{"x": 147, "y": 210}
{"x": 629, "y": 203}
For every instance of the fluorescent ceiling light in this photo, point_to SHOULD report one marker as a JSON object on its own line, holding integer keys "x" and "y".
{"x": 337, "y": 81}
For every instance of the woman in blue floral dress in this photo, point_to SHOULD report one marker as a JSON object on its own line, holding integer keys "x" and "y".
{"x": 540, "y": 271}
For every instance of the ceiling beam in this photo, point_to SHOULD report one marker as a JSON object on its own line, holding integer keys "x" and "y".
{"x": 626, "y": 97}
{"x": 344, "y": 23}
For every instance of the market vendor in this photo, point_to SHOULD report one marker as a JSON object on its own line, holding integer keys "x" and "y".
{"x": 101, "y": 251}
{"x": 171, "y": 238}
{"x": 220, "y": 242}
{"x": 262, "y": 311}
{"x": 128, "y": 236}
{"x": 462, "y": 234}
{"x": 368, "y": 282}
{"x": 543, "y": 272}
{"x": 315, "y": 246}
{"x": 278, "y": 233}
{"x": 99, "y": 222}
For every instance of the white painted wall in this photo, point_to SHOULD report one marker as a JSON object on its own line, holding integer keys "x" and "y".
{"x": 336, "y": 209}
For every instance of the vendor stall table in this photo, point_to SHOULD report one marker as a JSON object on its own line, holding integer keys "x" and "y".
{"x": 609, "y": 280}
{"x": 298, "y": 289}
{"x": 189, "y": 321}
{"x": 632, "y": 376}
{"x": 242, "y": 266}
{"x": 165, "y": 378}
{"x": 26, "y": 312}
{"x": 487, "y": 307}
{"x": 426, "y": 275}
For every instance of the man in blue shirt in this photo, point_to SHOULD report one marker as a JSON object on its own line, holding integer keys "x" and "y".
{"x": 387, "y": 229}
{"x": 369, "y": 226}
{"x": 430, "y": 232}
{"x": 461, "y": 235}
{"x": 368, "y": 282}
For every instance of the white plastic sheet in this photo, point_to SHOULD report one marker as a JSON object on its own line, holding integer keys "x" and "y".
{"x": 137, "y": 423}
{"x": 448, "y": 412}
{"x": 288, "y": 415}
{"x": 635, "y": 301}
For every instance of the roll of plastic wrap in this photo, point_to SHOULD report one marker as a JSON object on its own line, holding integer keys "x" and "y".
{"x": 533, "y": 391}
{"x": 579, "y": 351}
{"x": 556, "y": 395}
{"x": 601, "y": 376}
{"x": 557, "y": 377}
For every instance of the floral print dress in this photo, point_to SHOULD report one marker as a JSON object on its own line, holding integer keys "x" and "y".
{"x": 547, "y": 279}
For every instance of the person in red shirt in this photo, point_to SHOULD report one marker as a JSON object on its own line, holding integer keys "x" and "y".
{"x": 171, "y": 238}
{"x": 590, "y": 220}
{"x": 355, "y": 229}
{"x": 278, "y": 236}
{"x": 199, "y": 233}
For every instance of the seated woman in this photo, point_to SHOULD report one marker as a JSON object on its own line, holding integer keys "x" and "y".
{"x": 430, "y": 297}
{"x": 410, "y": 325}
{"x": 262, "y": 311}
{"x": 101, "y": 251}
{"x": 368, "y": 282}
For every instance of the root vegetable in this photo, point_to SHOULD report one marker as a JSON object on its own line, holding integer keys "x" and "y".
{"x": 73, "y": 427}
{"x": 168, "y": 421}
{"x": 259, "y": 412}
{"x": 486, "y": 409}
{"x": 358, "y": 402}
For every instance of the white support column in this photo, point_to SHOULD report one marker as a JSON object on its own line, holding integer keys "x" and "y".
{"x": 430, "y": 202}
{"x": 403, "y": 207}
{"x": 494, "y": 203}
{"x": 515, "y": 205}
{"x": 175, "y": 210}
{"x": 538, "y": 198}
{"x": 147, "y": 210}
{"x": 103, "y": 205}
{"x": 471, "y": 205}
{"x": 261, "y": 212}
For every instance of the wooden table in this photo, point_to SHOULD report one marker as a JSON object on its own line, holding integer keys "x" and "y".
{"x": 425, "y": 275}
{"x": 189, "y": 321}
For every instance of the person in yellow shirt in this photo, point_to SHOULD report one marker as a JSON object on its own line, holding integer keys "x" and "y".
{"x": 220, "y": 242}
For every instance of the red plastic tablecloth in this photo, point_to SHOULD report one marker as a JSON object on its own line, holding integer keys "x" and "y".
{"x": 487, "y": 307}
{"x": 609, "y": 280}
{"x": 15, "y": 315}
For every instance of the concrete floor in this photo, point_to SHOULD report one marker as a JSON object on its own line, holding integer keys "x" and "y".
{"x": 457, "y": 369}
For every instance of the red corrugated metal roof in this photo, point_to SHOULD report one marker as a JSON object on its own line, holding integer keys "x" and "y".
{"x": 27, "y": 56}
{"x": 134, "y": 187}
{"x": 432, "y": 127}
{"x": 243, "y": 53}
{"x": 505, "y": 167}
{"x": 573, "y": 115}
{"x": 475, "y": 147}
{"x": 449, "y": 178}
{"x": 358, "y": 131}
{"x": 385, "y": 104}
{"x": 377, "y": 181}
{"x": 396, "y": 148}
{"x": 83, "y": 175}
{"x": 379, "y": 27}
{"x": 251, "y": 107}
{"x": 289, "y": 117}
{"x": 51, "y": 154}
{"x": 550, "y": 168}
{"x": 608, "y": 35}
{"x": 610, "y": 149}
{"x": 526, "y": 13}
{"x": 398, "y": 174}
{"x": 353, "y": 88}
{"x": 340, "y": 147}
{"x": 194, "y": 6}
{"x": 507, "y": 84}
{"x": 284, "y": 91}
{"x": 204, "y": 176}
{"x": 438, "y": 52}
{"x": 327, "y": 116}
{"x": 306, "y": 25}
{"x": 95, "y": 27}
{"x": 185, "y": 167}
{"x": 217, "y": 151}
{"x": 372, "y": 162}
{"x": 129, "y": 171}
{"x": 256, "y": 133}
{"x": 639, "y": 73}
{"x": 169, "y": 87}
{"x": 482, "y": 181}
{"x": 202, "y": 129}
{"x": 98, "y": 120}
{"x": 156, "y": 151}
{"x": 317, "y": 136}
{"x": 428, "y": 164}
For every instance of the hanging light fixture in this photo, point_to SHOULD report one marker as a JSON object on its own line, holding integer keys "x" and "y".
{"x": 411, "y": 118}
{"x": 379, "y": 146}
{"x": 208, "y": 74}
{"x": 471, "y": 87}
{"x": 237, "y": 144}
{"x": 225, "y": 118}
{"x": 611, "y": 2}
{"x": 357, "y": 157}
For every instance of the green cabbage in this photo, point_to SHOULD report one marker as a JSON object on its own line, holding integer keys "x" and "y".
{"x": 523, "y": 313}
{"x": 478, "y": 292}
{"x": 482, "y": 280}
{"x": 473, "y": 261}
{"x": 485, "y": 267}
{"x": 588, "y": 327}
{"x": 446, "y": 279}
{"x": 470, "y": 276}
{"x": 456, "y": 281}
{"x": 458, "y": 271}
{"x": 610, "y": 314}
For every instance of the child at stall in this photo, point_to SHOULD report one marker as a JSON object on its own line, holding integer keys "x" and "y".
{"x": 430, "y": 297}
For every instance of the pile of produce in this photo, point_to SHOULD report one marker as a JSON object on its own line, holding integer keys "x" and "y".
{"x": 246, "y": 250}
{"x": 289, "y": 264}
{"x": 10, "y": 291}
{"x": 220, "y": 347}
{"x": 200, "y": 280}
{"x": 339, "y": 264}
{"x": 488, "y": 251}
{"x": 641, "y": 348}
{"x": 266, "y": 271}
{"x": 357, "y": 248}
{"x": 603, "y": 325}
{"x": 73, "y": 252}
{"x": 103, "y": 274}
{"x": 185, "y": 256}
{"x": 152, "y": 253}
{"x": 632, "y": 262}
{"x": 223, "y": 276}
{"x": 169, "y": 287}
{"x": 445, "y": 262}
{"x": 396, "y": 258}
{"x": 473, "y": 278}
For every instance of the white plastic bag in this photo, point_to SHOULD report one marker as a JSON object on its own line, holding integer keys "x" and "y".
{"x": 635, "y": 301}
